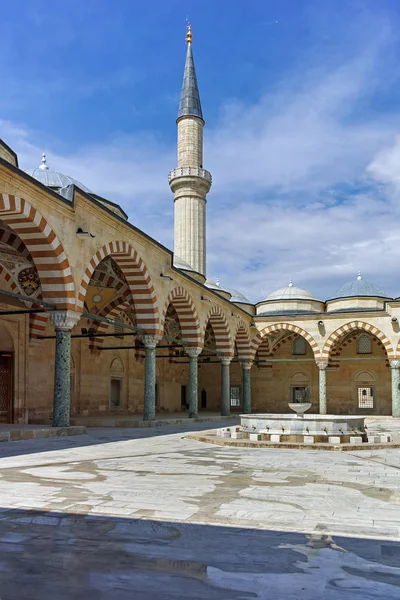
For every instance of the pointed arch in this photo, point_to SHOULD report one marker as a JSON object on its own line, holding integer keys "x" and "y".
{"x": 43, "y": 246}
{"x": 352, "y": 326}
{"x": 221, "y": 330}
{"x": 187, "y": 314}
{"x": 257, "y": 340}
{"x": 112, "y": 311}
{"x": 242, "y": 341}
{"x": 137, "y": 277}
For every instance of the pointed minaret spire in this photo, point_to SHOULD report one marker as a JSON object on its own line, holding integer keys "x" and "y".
{"x": 190, "y": 182}
{"x": 189, "y": 105}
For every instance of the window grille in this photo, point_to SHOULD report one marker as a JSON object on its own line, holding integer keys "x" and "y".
{"x": 364, "y": 344}
{"x": 299, "y": 345}
{"x": 300, "y": 394}
{"x": 235, "y": 395}
{"x": 365, "y": 397}
{"x": 118, "y": 326}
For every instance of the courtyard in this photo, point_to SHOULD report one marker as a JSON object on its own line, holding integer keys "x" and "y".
{"x": 146, "y": 513}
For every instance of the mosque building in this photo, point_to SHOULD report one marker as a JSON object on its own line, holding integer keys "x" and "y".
{"x": 99, "y": 319}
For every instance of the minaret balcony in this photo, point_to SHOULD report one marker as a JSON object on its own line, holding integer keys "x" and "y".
{"x": 190, "y": 172}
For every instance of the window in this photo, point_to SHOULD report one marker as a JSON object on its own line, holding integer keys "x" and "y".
{"x": 235, "y": 395}
{"x": 364, "y": 344}
{"x": 299, "y": 345}
{"x": 115, "y": 392}
{"x": 365, "y": 397}
{"x": 299, "y": 394}
{"x": 118, "y": 326}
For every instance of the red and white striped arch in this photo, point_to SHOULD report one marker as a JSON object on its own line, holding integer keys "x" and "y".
{"x": 352, "y": 326}
{"x": 242, "y": 340}
{"x": 44, "y": 248}
{"x": 138, "y": 279}
{"x": 220, "y": 327}
{"x": 256, "y": 341}
{"x": 187, "y": 314}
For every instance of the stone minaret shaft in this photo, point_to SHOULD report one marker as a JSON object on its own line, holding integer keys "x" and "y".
{"x": 189, "y": 181}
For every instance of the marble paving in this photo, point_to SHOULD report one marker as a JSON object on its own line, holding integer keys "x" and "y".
{"x": 147, "y": 514}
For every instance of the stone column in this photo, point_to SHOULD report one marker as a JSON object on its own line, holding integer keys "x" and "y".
{"x": 63, "y": 322}
{"x": 246, "y": 378}
{"x": 322, "y": 365}
{"x": 395, "y": 369}
{"x": 225, "y": 386}
{"x": 150, "y": 342}
{"x": 193, "y": 354}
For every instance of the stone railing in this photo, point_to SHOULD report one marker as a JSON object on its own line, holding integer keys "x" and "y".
{"x": 190, "y": 172}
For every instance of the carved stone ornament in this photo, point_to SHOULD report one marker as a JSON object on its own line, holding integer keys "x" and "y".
{"x": 322, "y": 364}
{"x": 394, "y": 364}
{"x": 226, "y": 360}
{"x": 150, "y": 341}
{"x": 193, "y": 351}
{"x": 64, "y": 319}
{"x": 246, "y": 366}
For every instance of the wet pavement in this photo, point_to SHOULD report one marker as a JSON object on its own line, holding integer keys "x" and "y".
{"x": 144, "y": 513}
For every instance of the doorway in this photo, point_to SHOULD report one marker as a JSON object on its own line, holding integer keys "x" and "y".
{"x": 6, "y": 387}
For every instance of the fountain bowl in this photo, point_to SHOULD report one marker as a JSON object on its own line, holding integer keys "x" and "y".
{"x": 300, "y": 407}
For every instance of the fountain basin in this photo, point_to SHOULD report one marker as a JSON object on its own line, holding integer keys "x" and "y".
{"x": 303, "y": 425}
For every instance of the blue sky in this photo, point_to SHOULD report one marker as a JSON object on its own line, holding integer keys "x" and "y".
{"x": 302, "y": 124}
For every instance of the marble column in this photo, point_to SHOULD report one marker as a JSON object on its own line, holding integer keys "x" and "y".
{"x": 225, "y": 386}
{"x": 395, "y": 369}
{"x": 150, "y": 342}
{"x": 63, "y": 322}
{"x": 246, "y": 378}
{"x": 322, "y": 365}
{"x": 193, "y": 354}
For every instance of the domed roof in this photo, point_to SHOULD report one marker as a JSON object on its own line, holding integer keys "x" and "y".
{"x": 291, "y": 292}
{"x": 53, "y": 179}
{"x": 238, "y": 296}
{"x": 360, "y": 287}
{"x": 179, "y": 263}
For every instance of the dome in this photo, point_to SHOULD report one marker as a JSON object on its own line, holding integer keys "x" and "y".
{"x": 360, "y": 287}
{"x": 291, "y": 292}
{"x": 52, "y": 179}
{"x": 237, "y": 296}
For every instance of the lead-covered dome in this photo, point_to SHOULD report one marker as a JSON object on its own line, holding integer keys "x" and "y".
{"x": 360, "y": 287}
{"x": 291, "y": 292}
{"x": 52, "y": 179}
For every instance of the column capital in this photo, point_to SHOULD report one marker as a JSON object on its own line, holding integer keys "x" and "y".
{"x": 322, "y": 364}
{"x": 64, "y": 320}
{"x": 150, "y": 341}
{"x": 226, "y": 360}
{"x": 394, "y": 364}
{"x": 246, "y": 365}
{"x": 193, "y": 351}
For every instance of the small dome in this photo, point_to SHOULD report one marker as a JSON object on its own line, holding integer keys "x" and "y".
{"x": 52, "y": 179}
{"x": 237, "y": 296}
{"x": 291, "y": 292}
{"x": 360, "y": 287}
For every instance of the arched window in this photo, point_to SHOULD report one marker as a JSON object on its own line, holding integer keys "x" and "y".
{"x": 299, "y": 345}
{"x": 364, "y": 344}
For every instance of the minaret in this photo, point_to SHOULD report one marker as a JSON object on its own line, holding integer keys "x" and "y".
{"x": 189, "y": 181}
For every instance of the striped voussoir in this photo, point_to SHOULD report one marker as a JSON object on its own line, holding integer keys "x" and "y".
{"x": 43, "y": 247}
{"x": 37, "y": 325}
{"x": 9, "y": 279}
{"x": 137, "y": 278}
{"x": 345, "y": 329}
{"x": 257, "y": 340}
{"x": 242, "y": 340}
{"x": 221, "y": 331}
{"x": 187, "y": 314}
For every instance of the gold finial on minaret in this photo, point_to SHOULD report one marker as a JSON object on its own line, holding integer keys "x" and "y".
{"x": 189, "y": 32}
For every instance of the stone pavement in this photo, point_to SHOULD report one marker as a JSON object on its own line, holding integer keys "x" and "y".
{"x": 144, "y": 513}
